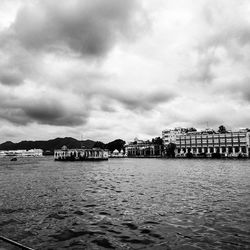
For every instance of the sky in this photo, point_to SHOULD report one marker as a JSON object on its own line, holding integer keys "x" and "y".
{"x": 107, "y": 69}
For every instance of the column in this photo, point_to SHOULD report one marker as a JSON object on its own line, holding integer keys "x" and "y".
{"x": 220, "y": 150}
{"x": 233, "y": 150}
{"x": 208, "y": 150}
{"x": 202, "y": 150}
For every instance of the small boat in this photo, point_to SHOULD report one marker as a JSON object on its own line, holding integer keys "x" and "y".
{"x": 13, "y": 159}
{"x": 94, "y": 154}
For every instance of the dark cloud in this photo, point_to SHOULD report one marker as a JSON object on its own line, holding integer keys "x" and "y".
{"x": 46, "y": 110}
{"x": 143, "y": 100}
{"x": 53, "y": 114}
{"x": 10, "y": 76}
{"x": 14, "y": 115}
{"x": 87, "y": 27}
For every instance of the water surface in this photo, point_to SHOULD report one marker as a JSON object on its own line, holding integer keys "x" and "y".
{"x": 126, "y": 204}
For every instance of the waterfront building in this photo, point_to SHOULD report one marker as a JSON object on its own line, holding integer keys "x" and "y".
{"x": 117, "y": 154}
{"x": 21, "y": 153}
{"x": 65, "y": 154}
{"x": 170, "y": 135}
{"x": 139, "y": 148}
{"x": 209, "y": 143}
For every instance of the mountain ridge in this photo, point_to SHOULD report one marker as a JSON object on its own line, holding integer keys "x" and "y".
{"x": 50, "y": 145}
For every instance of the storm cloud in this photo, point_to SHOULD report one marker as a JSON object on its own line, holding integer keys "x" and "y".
{"x": 122, "y": 69}
{"x": 89, "y": 28}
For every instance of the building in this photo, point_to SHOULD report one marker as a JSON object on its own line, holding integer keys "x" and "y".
{"x": 170, "y": 135}
{"x": 21, "y": 153}
{"x": 208, "y": 143}
{"x": 65, "y": 154}
{"x": 117, "y": 154}
{"x": 143, "y": 149}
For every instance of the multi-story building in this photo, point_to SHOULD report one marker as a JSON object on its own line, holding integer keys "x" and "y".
{"x": 208, "y": 143}
{"x": 169, "y": 135}
{"x": 140, "y": 148}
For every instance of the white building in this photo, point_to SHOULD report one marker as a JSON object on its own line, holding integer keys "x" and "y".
{"x": 82, "y": 154}
{"x": 207, "y": 143}
{"x": 170, "y": 135}
{"x": 21, "y": 153}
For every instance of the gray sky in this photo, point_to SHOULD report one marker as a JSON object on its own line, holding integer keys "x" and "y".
{"x": 106, "y": 69}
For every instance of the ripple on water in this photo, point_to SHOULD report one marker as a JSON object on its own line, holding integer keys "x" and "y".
{"x": 127, "y": 204}
{"x": 130, "y": 225}
{"x": 57, "y": 216}
{"x": 68, "y": 234}
{"x": 78, "y": 212}
{"x": 103, "y": 242}
{"x": 138, "y": 241}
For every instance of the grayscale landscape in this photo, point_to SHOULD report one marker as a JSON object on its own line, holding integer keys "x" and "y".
{"x": 124, "y": 124}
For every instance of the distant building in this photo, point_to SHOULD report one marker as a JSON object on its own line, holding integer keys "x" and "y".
{"x": 170, "y": 135}
{"x": 117, "y": 154}
{"x": 139, "y": 148}
{"x": 82, "y": 154}
{"x": 21, "y": 153}
{"x": 208, "y": 143}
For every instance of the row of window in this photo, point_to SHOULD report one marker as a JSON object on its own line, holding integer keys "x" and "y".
{"x": 211, "y": 149}
{"x": 212, "y": 138}
{"x": 211, "y": 144}
{"x": 210, "y": 141}
{"x": 215, "y": 137}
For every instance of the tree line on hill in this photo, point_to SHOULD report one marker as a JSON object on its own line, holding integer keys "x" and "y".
{"x": 49, "y": 146}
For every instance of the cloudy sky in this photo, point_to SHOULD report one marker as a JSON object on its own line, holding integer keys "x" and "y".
{"x": 107, "y": 69}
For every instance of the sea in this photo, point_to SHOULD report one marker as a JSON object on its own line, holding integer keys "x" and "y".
{"x": 127, "y": 203}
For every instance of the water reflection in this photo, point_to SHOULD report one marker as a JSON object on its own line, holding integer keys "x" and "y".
{"x": 126, "y": 204}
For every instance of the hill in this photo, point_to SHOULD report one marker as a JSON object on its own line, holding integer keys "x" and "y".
{"x": 49, "y": 146}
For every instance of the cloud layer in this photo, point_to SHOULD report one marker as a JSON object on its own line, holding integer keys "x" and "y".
{"x": 117, "y": 68}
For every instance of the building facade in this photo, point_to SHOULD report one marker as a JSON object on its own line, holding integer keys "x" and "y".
{"x": 209, "y": 143}
{"x": 143, "y": 149}
{"x": 21, "y": 153}
{"x": 170, "y": 135}
{"x": 65, "y": 154}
